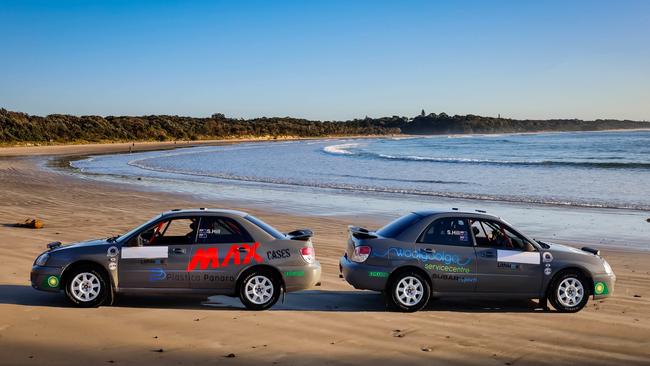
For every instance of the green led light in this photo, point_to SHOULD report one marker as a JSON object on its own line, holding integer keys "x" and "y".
{"x": 53, "y": 281}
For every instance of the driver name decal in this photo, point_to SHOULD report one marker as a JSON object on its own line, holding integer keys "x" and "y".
{"x": 144, "y": 252}
{"x": 515, "y": 256}
{"x": 204, "y": 258}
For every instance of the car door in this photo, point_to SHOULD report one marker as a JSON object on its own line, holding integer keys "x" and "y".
{"x": 506, "y": 262}
{"x": 157, "y": 257}
{"x": 447, "y": 250}
{"x": 222, "y": 248}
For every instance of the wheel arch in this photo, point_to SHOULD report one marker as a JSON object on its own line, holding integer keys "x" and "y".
{"x": 397, "y": 271}
{"x": 572, "y": 268}
{"x": 243, "y": 274}
{"x": 84, "y": 262}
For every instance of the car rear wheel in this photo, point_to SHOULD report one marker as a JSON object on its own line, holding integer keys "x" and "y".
{"x": 86, "y": 287}
{"x": 408, "y": 292}
{"x": 260, "y": 290}
{"x": 569, "y": 292}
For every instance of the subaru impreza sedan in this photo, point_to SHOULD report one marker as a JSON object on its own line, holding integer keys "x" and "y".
{"x": 470, "y": 254}
{"x": 202, "y": 251}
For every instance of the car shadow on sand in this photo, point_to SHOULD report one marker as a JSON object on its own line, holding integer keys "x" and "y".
{"x": 312, "y": 300}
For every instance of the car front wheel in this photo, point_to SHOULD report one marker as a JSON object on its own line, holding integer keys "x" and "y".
{"x": 569, "y": 293}
{"x": 86, "y": 287}
{"x": 408, "y": 292}
{"x": 260, "y": 290}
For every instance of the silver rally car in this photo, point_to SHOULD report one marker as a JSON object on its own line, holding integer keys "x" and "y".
{"x": 201, "y": 251}
{"x": 470, "y": 254}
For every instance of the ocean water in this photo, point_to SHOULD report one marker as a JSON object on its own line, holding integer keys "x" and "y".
{"x": 563, "y": 172}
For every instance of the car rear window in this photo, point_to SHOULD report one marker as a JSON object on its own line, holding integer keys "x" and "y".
{"x": 398, "y": 226}
{"x": 266, "y": 227}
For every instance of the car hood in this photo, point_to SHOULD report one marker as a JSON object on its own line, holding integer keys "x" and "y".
{"x": 81, "y": 244}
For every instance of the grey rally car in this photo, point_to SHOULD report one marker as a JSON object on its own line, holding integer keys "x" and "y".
{"x": 200, "y": 251}
{"x": 471, "y": 254}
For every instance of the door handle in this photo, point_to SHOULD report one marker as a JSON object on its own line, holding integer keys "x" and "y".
{"x": 429, "y": 250}
{"x": 243, "y": 250}
{"x": 178, "y": 251}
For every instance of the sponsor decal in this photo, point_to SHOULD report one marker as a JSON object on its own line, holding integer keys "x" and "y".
{"x": 204, "y": 258}
{"x": 112, "y": 252}
{"x": 600, "y": 288}
{"x": 547, "y": 257}
{"x": 512, "y": 266}
{"x": 52, "y": 281}
{"x": 446, "y": 268}
{"x": 515, "y": 256}
{"x": 278, "y": 254}
{"x": 145, "y": 252}
{"x": 294, "y": 273}
{"x": 213, "y": 278}
{"x": 450, "y": 277}
{"x": 157, "y": 274}
{"x": 377, "y": 274}
{"x": 548, "y": 271}
{"x": 421, "y": 255}
{"x": 112, "y": 266}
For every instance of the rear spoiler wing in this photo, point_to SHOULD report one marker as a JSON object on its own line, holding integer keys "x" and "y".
{"x": 361, "y": 233}
{"x": 300, "y": 234}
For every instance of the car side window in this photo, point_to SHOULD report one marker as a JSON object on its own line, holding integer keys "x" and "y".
{"x": 218, "y": 230}
{"x": 491, "y": 234}
{"x": 176, "y": 231}
{"x": 447, "y": 231}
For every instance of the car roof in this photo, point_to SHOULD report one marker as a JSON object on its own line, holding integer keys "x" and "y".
{"x": 456, "y": 211}
{"x": 204, "y": 211}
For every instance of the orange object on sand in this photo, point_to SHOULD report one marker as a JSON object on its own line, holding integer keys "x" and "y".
{"x": 31, "y": 224}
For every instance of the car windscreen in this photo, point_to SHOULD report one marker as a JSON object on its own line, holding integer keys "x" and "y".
{"x": 266, "y": 227}
{"x": 128, "y": 234}
{"x": 398, "y": 226}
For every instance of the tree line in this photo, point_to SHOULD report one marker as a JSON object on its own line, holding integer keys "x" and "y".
{"x": 17, "y": 127}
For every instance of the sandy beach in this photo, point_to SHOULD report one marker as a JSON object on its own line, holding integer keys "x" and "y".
{"x": 331, "y": 324}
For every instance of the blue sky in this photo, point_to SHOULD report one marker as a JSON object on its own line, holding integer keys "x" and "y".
{"x": 327, "y": 59}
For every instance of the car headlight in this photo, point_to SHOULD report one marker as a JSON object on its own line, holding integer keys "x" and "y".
{"x": 42, "y": 259}
{"x": 608, "y": 268}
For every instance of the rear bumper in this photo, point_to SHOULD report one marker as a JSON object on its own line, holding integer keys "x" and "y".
{"x": 301, "y": 278}
{"x": 603, "y": 285}
{"x": 362, "y": 276}
{"x": 46, "y": 278}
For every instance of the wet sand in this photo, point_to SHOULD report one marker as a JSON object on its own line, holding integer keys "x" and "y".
{"x": 332, "y": 324}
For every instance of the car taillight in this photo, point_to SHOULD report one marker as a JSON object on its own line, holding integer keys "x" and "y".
{"x": 308, "y": 254}
{"x": 361, "y": 253}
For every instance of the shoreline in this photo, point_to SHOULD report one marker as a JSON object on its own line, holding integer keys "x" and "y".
{"x": 62, "y": 159}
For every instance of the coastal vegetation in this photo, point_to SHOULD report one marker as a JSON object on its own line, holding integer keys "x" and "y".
{"x": 22, "y": 128}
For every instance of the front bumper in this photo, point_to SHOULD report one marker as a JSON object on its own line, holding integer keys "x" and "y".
{"x": 604, "y": 285}
{"x": 298, "y": 278}
{"x": 362, "y": 276}
{"x": 46, "y": 278}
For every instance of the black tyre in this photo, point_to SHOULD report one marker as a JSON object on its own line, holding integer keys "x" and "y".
{"x": 408, "y": 292}
{"x": 87, "y": 286}
{"x": 569, "y": 292}
{"x": 260, "y": 289}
